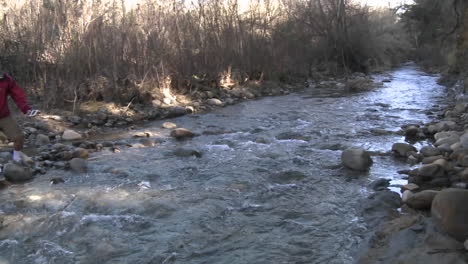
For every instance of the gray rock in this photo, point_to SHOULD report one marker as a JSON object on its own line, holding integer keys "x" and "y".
{"x": 429, "y": 160}
{"x": 184, "y": 152}
{"x": 169, "y": 125}
{"x": 79, "y": 165}
{"x": 411, "y": 131}
{"x": 16, "y": 173}
{"x": 450, "y": 212}
{"x": 421, "y": 200}
{"x": 182, "y": 133}
{"x": 71, "y": 135}
{"x": 402, "y": 149}
{"x": 42, "y": 140}
{"x": 356, "y": 159}
{"x": 175, "y": 111}
{"x": 379, "y": 184}
{"x": 410, "y": 187}
{"x": 466, "y": 244}
{"x": 464, "y": 141}
{"x": 445, "y": 134}
{"x": 447, "y": 140}
{"x": 431, "y": 171}
{"x": 442, "y": 126}
{"x": 406, "y": 195}
{"x": 429, "y": 151}
{"x": 214, "y": 101}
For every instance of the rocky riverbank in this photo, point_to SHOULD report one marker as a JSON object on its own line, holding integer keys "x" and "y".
{"x": 61, "y": 139}
{"x": 432, "y": 225}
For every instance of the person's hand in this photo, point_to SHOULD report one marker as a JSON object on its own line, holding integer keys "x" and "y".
{"x": 32, "y": 113}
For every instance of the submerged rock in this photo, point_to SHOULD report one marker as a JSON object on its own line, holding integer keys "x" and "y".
{"x": 182, "y": 133}
{"x": 356, "y": 159}
{"x": 79, "y": 165}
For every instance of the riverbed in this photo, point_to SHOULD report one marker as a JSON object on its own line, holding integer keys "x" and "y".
{"x": 266, "y": 186}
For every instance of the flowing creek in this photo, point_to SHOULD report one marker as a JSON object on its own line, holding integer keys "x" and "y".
{"x": 267, "y": 188}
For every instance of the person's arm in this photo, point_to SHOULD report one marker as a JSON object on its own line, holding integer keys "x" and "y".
{"x": 18, "y": 95}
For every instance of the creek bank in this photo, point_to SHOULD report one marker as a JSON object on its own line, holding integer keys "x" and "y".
{"x": 57, "y": 138}
{"x": 432, "y": 226}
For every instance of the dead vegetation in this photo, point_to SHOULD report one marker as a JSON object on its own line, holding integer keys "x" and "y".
{"x": 139, "y": 51}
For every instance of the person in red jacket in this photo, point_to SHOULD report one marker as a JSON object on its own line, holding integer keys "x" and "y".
{"x": 9, "y": 87}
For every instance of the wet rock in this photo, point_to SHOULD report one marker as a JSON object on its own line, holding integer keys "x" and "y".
{"x": 182, "y": 133}
{"x": 421, "y": 200}
{"x": 406, "y": 195}
{"x": 379, "y": 184}
{"x": 16, "y": 173}
{"x": 80, "y": 153}
{"x": 214, "y": 102}
{"x": 410, "y": 187}
{"x": 71, "y": 135}
{"x": 356, "y": 159}
{"x": 429, "y": 151}
{"x": 412, "y": 160}
{"x": 57, "y": 180}
{"x": 450, "y": 212}
{"x": 402, "y": 149}
{"x": 176, "y": 111}
{"x": 184, "y": 152}
{"x": 169, "y": 125}
{"x": 411, "y": 131}
{"x": 79, "y": 165}
{"x": 42, "y": 140}
{"x": 431, "y": 171}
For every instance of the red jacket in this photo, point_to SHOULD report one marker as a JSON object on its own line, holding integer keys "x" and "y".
{"x": 8, "y": 86}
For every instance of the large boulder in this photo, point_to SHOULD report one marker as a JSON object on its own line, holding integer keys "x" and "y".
{"x": 450, "y": 212}
{"x": 356, "y": 159}
{"x": 17, "y": 173}
{"x": 421, "y": 200}
{"x": 402, "y": 149}
{"x": 182, "y": 133}
{"x": 71, "y": 135}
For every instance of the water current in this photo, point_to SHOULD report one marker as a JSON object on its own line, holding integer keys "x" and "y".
{"x": 267, "y": 188}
